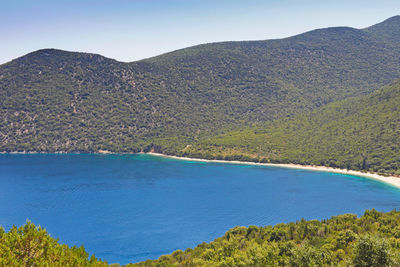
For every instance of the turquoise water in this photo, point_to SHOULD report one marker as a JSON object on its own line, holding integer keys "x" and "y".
{"x": 128, "y": 208}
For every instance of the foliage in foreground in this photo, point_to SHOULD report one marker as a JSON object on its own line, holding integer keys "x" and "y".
{"x": 345, "y": 240}
{"x": 29, "y": 245}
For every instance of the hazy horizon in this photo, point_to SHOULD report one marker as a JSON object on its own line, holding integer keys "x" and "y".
{"x": 133, "y": 30}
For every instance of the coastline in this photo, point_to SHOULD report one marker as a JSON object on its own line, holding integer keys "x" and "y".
{"x": 391, "y": 180}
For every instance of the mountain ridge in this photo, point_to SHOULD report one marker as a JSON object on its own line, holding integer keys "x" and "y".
{"x": 53, "y": 100}
{"x": 391, "y": 20}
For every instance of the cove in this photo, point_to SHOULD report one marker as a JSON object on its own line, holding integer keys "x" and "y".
{"x": 129, "y": 208}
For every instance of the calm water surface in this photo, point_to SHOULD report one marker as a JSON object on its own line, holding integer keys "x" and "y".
{"x": 128, "y": 208}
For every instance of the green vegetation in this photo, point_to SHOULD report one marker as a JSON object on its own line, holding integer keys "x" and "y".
{"x": 308, "y": 99}
{"x": 345, "y": 240}
{"x": 33, "y": 246}
{"x": 52, "y": 100}
{"x": 361, "y": 133}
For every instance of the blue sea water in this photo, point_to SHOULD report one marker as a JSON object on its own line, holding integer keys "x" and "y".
{"x": 129, "y": 208}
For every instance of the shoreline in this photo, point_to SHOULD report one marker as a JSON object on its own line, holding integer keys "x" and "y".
{"x": 391, "y": 180}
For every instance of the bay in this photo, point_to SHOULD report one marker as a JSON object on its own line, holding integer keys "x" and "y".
{"x": 129, "y": 208}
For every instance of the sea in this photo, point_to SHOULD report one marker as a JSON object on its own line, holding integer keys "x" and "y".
{"x": 130, "y": 208}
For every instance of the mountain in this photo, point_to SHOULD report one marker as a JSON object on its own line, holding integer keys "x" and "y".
{"x": 52, "y": 100}
{"x": 360, "y": 133}
{"x": 387, "y": 30}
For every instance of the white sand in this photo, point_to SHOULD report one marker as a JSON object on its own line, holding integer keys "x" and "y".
{"x": 392, "y": 180}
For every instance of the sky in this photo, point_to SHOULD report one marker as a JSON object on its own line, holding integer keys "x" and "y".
{"x": 129, "y": 30}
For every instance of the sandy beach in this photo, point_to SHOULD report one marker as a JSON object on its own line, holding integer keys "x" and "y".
{"x": 392, "y": 180}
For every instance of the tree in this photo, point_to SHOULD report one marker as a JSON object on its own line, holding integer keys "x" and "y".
{"x": 372, "y": 251}
{"x": 29, "y": 245}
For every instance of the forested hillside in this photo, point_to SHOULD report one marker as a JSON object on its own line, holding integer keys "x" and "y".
{"x": 52, "y": 100}
{"x": 361, "y": 133}
{"x": 345, "y": 240}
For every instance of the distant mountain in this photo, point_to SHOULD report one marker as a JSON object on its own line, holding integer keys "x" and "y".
{"x": 361, "y": 133}
{"x": 52, "y": 100}
{"x": 387, "y": 30}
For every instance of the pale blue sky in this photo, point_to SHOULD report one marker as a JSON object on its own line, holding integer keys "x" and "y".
{"x": 129, "y": 30}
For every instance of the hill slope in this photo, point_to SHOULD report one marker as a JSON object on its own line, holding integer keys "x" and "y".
{"x": 345, "y": 240}
{"x": 361, "y": 133}
{"x": 52, "y": 100}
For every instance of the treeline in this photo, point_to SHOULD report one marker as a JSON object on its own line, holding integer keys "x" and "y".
{"x": 345, "y": 240}
{"x": 360, "y": 133}
{"x": 30, "y": 245}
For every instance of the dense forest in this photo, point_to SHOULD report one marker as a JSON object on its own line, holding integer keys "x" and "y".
{"x": 360, "y": 133}
{"x": 53, "y": 100}
{"x": 345, "y": 240}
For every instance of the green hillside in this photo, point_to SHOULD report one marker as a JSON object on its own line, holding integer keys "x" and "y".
{"x": 345, "y": 240}
{"x": 52, "y": 100}
{"x": 361, "y": 133}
